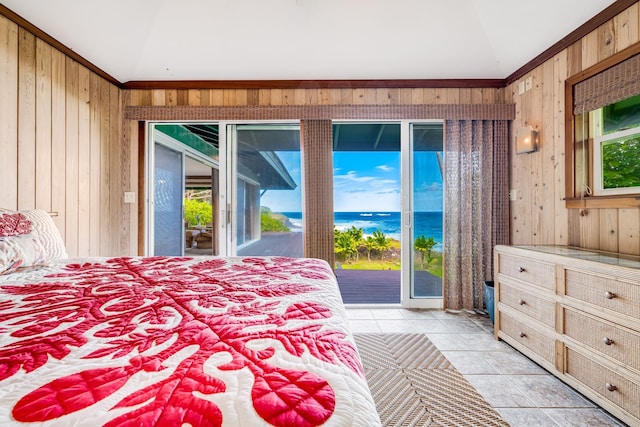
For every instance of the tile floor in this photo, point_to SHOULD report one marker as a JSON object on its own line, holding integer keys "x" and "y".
{"x": 521, "y": 391}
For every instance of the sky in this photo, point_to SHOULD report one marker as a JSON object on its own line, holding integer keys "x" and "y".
{"x": 365, "y": 182}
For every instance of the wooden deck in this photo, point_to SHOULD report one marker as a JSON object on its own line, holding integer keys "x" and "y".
{"x": 382, "y": 286}
{"x": 283, "y": 244}
{"x": 356, "y": 286}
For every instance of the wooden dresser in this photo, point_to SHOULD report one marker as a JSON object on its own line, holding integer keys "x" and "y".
{"x": 576, "y": 312}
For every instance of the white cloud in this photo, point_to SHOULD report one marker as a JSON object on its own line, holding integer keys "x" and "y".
{"x": 387, "y": 201}
{"x": 430, "y": 186}
{"x": 353, "y": 177}
{"x": 385, "y": 168}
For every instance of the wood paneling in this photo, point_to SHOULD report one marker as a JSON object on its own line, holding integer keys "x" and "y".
{"x": 58, "y": 144}
{"x": 629, "y": 222}
{"x": 105, "y": 167}
{"x": 95, "y": 152}
{"x": 54, "y": 119}
{"x": 320, "y": 96}
{"x": 539, "y": 178}
{"x": 26, "y": 120}
{"x": 84, "y": 159}
{"x": 117, "y": 168}
{"x": 72, "y": 196}
{"x": 9, "y": 114}
{"x": 560, "y": 65}
{"x": 626, "y": 27}
{"x": 43, "y": 125}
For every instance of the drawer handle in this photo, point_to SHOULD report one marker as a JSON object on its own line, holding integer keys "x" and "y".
{"x": 611, "y": 387}
{"x": 609, "y": 295}
{"x": 522, "y": 335}
{"x": 608, "y": 341}
{"x": 522, "y": 302}
{"x": 522, "y": 269}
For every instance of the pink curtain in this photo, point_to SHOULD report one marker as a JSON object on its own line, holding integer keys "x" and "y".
{"x": 476, "y": 214}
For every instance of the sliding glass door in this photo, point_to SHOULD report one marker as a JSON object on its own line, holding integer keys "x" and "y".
{"x": 264, "y": 184}
{"x": 224, "y": 189}
{"x": 182, "y": 191}
{"x": 422, "y": 214}
{"x": 235, "y": 189}
{"x": 388, "y": 193}
{"x": 168, "y": 178}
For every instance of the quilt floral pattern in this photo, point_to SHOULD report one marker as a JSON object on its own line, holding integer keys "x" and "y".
{"x": 14, "y": 225}
{"x": 140, "y": 312}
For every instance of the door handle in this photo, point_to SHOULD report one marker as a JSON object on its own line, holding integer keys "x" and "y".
{"x": 407, "y": 222}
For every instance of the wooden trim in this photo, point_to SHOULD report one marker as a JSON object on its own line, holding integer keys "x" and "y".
{"x": 28, "y": 26}
{"x": 142, "y": 145}
{"x": 569, "y": 158}
{"x": 603, "y": 202}
{"x": 609, "y": 13}
{"x": 317, "y": 84}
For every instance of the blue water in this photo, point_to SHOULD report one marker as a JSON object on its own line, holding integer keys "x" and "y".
{"x": 428, "y": 224}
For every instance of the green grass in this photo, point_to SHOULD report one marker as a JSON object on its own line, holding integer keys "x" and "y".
{"x": 434, "y": 267}
{"x": 375, "y": 264}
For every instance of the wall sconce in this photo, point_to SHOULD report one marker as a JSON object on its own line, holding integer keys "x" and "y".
{"x": 526, "y": 140}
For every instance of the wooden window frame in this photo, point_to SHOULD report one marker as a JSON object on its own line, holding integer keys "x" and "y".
{"x": 574, "y": 201}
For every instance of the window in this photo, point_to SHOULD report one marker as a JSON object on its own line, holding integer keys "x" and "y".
{"x": 603, "y": 133}
{"x": 617, "y": 163}
{"x": 616, "y": 154}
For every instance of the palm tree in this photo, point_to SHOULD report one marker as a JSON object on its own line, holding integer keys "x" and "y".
{"x": 356, "y": 235}
{"x": 344, "y": 245}
{"x": 382, "y": 242}
{"x": 369, "y": 243}
{"x": 425, "y": 245}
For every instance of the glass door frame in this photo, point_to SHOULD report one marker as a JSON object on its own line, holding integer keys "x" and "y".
{"x": 228, "y": 192}
{"x": 150, "y": 167}
{"x": 406, "y": 220}
{"x": 406, "y": 211}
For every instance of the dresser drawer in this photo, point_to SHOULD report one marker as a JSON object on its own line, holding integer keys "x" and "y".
{"x": 528, "y": 270}
{"x": 621, "y": 344}
{"x": 616, "y": 295}
{"x": 538, "y": 342}
{"x": 609, "y": 385}
{"x": 528, "y": 303}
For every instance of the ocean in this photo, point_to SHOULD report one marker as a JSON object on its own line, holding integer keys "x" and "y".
{"x": 428, "y": 224}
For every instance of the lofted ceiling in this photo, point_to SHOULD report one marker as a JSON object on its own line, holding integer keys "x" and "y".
{"x": 150, "y": 40}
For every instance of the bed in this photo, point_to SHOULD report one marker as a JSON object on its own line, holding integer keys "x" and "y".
{"x": 170, "y": 341}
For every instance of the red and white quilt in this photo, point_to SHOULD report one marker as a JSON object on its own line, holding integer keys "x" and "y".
{"x": 172, "y": 341}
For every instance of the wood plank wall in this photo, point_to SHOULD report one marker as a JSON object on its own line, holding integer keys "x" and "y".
{"x": 539, "y": 216}
{"x": 251, "y": 97}
{"x": 62, "y": 146}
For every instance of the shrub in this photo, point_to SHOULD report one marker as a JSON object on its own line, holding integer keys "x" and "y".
{"x": 270, "y": 222}
{"x": 197, "y": 212}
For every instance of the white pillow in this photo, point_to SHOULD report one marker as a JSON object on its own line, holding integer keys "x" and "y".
{"x": 21, "y": 252}
{"x": 46, "y": 231}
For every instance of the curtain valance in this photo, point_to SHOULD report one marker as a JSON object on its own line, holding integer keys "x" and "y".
{"x": 325, "y": 112}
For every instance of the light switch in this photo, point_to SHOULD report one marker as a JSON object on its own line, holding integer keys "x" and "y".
{"x": 528, "y": 83}
{"x": 129, "y": 197}
{"x": 521, "y": 88}
{"x": 512, "y": 195}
